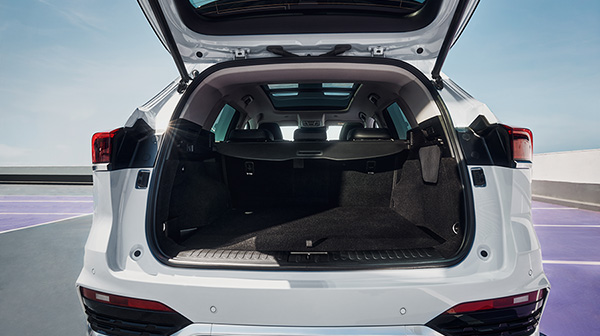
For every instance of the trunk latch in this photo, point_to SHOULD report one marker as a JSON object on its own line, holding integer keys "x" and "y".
{"x": 377, "y": 51}
{"x": 241, "y": 53}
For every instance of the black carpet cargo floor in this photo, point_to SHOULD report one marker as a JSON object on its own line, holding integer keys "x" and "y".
{"x": 311, "y": 230}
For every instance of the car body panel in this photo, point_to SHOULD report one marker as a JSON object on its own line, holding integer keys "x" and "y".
{"x": 420, "y": 47}
{"x": 120, "y": 259}
{"x": 314, "y": 299}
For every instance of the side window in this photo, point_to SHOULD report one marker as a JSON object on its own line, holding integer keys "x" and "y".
{"x": 401, "y": 124}
{"x": 225, "y": 121}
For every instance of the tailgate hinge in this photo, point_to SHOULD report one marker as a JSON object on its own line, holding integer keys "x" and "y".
{"x": 377, "y": 51}
{"x": 240, "y": 53}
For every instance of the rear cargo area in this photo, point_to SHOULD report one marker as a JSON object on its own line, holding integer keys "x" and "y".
{"x": 230, "y": 190}
{"x": 238, "y": 201}
{"x": 311, "y": 230}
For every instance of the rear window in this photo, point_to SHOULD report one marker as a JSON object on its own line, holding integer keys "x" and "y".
{"x": 224, "y": 8}
{"x": 224, "y": 123}
{"x": 399, "y": 121}
{"x": 252, "y": 17}
{"x": 333, "y": 132}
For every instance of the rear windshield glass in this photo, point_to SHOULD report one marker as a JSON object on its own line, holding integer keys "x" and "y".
{"x": 223, "y": 8}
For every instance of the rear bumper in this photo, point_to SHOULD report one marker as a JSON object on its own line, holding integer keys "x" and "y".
{"x": 238, "y": 330}
{"x": 231, "y": 330}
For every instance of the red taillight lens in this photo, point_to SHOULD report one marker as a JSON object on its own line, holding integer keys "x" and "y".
{"x": 102, "y": 146}
{"x": 122, "y": 301}
{"x": 511, "y": 315}
{"x": 521, "y": 143}
{"x": 505, "y": 302}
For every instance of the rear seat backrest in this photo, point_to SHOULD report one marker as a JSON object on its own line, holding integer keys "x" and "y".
{"x": 250, "y": 135}
{"x": 310, "y": 134}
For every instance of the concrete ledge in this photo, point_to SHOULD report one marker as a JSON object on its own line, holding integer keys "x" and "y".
{"x": 579, "y": 195}
{"x": 46, "y": 175}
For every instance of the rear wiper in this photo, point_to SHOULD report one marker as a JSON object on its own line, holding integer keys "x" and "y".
{"x": 337, "y": 50}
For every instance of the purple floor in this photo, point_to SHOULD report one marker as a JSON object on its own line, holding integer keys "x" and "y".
{"x": 19, "y": 211}
{"x": 570, "y": 240}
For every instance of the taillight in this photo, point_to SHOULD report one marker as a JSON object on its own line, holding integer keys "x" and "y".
{"x": 122, "y": 301}
{"x": 505, "y": 302}
{"x": 521, "y": 143}
{"x": 507, "y": 316}
{"x": 102, "y": 146}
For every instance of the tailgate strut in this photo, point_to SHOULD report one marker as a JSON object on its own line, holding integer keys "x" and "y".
{"x": 171, "y": 45}
{"x": 455, "y": 25}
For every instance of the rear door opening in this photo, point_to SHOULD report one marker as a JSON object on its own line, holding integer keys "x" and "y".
{"x": 229, "y": 191}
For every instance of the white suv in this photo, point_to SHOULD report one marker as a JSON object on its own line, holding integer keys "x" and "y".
{"x": 395, "y": 204}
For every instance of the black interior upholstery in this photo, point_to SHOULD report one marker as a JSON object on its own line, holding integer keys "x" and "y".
{"x": 250, "y": 135}
{"x": 310, "y": 134}
{"x": 359, "y": 134}
{"x": 274, "y": 129}
{"x": 347, "y": 127}
{"x": 229, "y": 198}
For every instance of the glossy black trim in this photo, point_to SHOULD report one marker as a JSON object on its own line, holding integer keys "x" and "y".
{"x": 114, "y": 320}
{"x": 46, "y": 179}
{"x": 513, "y": 321}
{"x": 134, "y": 147}
{"x": 485, "y": 144}
{"x": 478, "y": 177}
{"x": 167, "y": 144}
{"x": 309, "y": 23}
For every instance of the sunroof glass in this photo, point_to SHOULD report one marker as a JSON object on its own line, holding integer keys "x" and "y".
{"x": 311, "y": 96}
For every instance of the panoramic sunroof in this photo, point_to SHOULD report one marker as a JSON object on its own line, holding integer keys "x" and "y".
{"x": 314, "y": 96}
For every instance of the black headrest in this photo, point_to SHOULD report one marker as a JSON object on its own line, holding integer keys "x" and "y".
{"x": 310, "y": 134}
{"x": 273, "y": 128}
{"x": 347, "y": 128}
{"x": 370, "y": 134}
{"x": 250, "y": 135}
